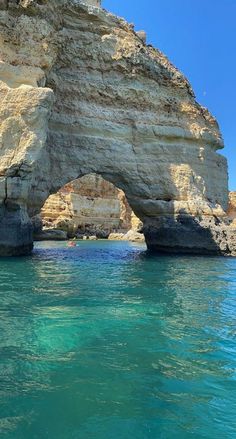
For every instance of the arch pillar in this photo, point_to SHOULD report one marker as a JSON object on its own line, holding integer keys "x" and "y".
{"x": 16, "y": 234}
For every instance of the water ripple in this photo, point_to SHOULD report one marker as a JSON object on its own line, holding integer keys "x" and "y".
{"x": 107, "y": 341}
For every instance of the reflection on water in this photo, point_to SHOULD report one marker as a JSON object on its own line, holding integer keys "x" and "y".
{"x": 105, "y": 341}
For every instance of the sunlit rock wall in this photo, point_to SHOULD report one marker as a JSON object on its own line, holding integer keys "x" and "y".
{"x": 82, "y": 93}
{"x": 232, "y": 207}
{"x": 88, "y": 205}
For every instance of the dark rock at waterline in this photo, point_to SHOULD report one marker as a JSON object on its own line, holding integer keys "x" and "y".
{"x": 50, "y": 235}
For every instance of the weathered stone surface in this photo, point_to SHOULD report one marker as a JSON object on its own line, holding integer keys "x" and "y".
{"x": 134, "y": 236}
{"x": 232, "y": 207}
{"x": 89, "y": 205}
{"x": 81, "y": 93}
{"x": 116, "y": 236}
{"x": 51, "y": 235}
{"x": 188, "y": 234}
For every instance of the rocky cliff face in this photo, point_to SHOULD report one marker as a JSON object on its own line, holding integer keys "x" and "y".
{"x": 89, "y": 205}
{"x": 232, "y": 207}
{"x": 82, "y": 93}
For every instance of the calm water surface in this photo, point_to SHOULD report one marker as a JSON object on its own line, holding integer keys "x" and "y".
{"x": 104, "y": 341}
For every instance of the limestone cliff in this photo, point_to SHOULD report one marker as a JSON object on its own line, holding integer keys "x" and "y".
{"x": 89, "y": 205}
{"x": 82, "y": 93}
{"x": 232, "y": 207}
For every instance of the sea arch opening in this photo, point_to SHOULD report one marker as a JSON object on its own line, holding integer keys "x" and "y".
{"x": 89, "y": 207}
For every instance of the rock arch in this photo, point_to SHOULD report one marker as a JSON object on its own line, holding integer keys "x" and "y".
{"x": 81, "y": 93}
{"x": 88, "y": 206}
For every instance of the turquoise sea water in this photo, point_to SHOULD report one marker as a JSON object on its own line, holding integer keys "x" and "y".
{"x": 104, "y": 341}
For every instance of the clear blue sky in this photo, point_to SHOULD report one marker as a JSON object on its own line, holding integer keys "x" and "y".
{"x": 199, "y": 37}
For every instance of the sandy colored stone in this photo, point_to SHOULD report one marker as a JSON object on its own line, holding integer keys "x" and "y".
{"x": 232, "y": 207}
{"x": 116, "y": 236}
{"x": 89, "y": 205}
{"x": 82, "y": 93}
{"x": 134, "y": 236}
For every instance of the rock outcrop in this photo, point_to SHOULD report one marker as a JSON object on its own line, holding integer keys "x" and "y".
{"x": 50, "y": 235}
{"x": 82, "y": 93}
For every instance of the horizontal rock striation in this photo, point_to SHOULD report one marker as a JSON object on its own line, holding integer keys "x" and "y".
{"x": 89, "y": 205}
{"x": 82, "y": 93}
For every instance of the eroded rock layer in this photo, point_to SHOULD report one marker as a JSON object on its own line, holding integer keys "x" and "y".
{"x": 82, "y": 93}
{"x": 232, "y": 207}
{"x": 89, "y": 205}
